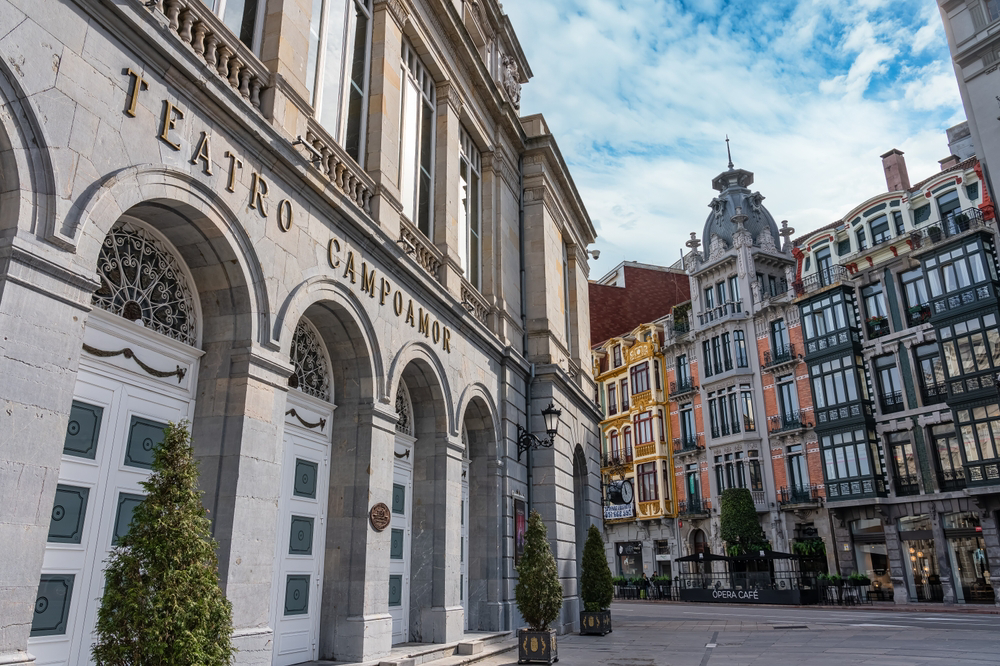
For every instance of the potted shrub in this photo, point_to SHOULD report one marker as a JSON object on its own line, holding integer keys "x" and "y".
{"x": 596, "y": 588}
{"x": 162, "y": 602}
{"x": 539, "y": 596}
{"x": 934, "y": 233}
{"x": 857, "y": 579}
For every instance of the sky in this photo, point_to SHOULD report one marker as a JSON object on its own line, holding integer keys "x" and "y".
{"x": 641, "y": 96}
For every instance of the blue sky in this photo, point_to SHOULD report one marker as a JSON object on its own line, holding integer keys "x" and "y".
{"x": 641, "y": 96}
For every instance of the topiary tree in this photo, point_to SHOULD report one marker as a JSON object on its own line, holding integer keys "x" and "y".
{"x": 162, "y": 604}
{"x": 538, "y": 592}
{"x": 596, "y": 587}
{"x": 739, "y": 526}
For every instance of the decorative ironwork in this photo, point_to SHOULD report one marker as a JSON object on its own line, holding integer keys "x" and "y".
{"x": 128, "y": 353}
{"x": 404, "y": 410}
{"x": 799, "y": 495}
{"x": 142, "y": 282}
{"x": 683, "y": 386}
{"x": 305, "y": 424}
{"x": 687, "y": 443}
{"x": 789, "y": 421}
{"x": 906, "y": 484}
{"x": 312, "y": 371}
{"x": 780, "y": 356}
{"x": 823, "y": 277}
{"x": 892, "y": 402}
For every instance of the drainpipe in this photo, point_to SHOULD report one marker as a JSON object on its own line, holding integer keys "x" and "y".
{"x": 524, "y": 312}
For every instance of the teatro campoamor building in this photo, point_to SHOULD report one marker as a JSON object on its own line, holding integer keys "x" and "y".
{"x": 355, "y": 315}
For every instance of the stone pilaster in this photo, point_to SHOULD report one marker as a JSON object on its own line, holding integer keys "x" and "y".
{"x": 988, "y": 522}
{"x": 943, "y": 558}
{"x": 897, "y": 562}
{"x": 446, "y": 177}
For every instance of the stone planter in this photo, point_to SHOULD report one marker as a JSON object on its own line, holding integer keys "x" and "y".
{"x": 595, "y": 623}
{"x": 536, "y": 646}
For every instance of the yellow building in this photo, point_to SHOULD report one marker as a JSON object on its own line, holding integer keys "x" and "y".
{"x": 636, "y": 464}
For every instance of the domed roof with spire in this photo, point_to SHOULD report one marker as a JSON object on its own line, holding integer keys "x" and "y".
{"x": 734, "y": 193}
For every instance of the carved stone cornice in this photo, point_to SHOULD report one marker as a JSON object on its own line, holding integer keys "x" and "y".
{"x": 397, "y": 9}
{"x": 448, "y": 94}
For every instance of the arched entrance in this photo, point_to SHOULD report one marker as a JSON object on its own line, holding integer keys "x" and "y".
{"x": 483, "y": 522}
{"x": 139, "y": 371}
{"x": 580, "y": 503}
{"x": 699, "y": 544}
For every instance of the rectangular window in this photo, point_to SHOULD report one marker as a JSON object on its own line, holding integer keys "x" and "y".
{"x": 734, "y": 288}
{"x": 779, "y": 338}
{"x": 904, "y": 464}
{"x": 640, "y": 377}
{"x": 644, "y": 428}
{"x": 706, "y": 357}
{"x": 931, "y": 374}
{"x": 627, "y": 437}
{"x": 657, "y": 382}
{"x": 720, "y": 292}
{"x": 834, "y": 382}
{"x": 897, "y": 218}
{"x": 615, "y": 445}
{"x": 798, "y": 479}
{"x": 971, "y": 346}
{"x": 618, "y": 356}
{"x": 850, "y": 457}
{"x": 979, "y": 430}
{"x": 756, "y": 479}
{"x": 735, "y": 415}
{"x": 720, "y": 479}
{"x": 243, "y": 18}
{"x": 824, "y": 266}
{"x": 683, "y": 371}
{"x": 880, "y": 230}
{"x": 417, "y": 127}
{"x": 916, "y": 297}
{"x": 948, "y": 206}
{"x": 741, "y": 349}
{"x": 727, "y": 352}
{"x": 716, "y": 355}
{"x": 874, "y": 303}
{"x": 788, "y": 401}
{"x": 469, "y": 222}
{"x": 337, "y": 68}
{"x": 624, "y": 385}
{"x": 713, "y": 416}
{"x": 951, "y": 473}
{"x": 709, "y": 298}
{"x": 890, "y": 386}
{"x": 747, "y": 406}
{"x": 612, "y": 398}
{"x": 862, "y": 240}
{"x": 646, "y": 477}
{"x": 567, "y": 305}
{"x": 687, "y": 424}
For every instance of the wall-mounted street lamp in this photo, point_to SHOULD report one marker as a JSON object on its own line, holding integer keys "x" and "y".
{"x": 525, "y": 440}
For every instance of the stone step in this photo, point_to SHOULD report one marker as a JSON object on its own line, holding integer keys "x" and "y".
{"x": 473, "y": 647}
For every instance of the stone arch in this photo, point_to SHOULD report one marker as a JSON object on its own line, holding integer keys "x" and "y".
{"x": 580, "y": 501}
{"x": 421, "y": 355}
{"x": 27, "y": 182}
{"x": 196, "y": 220}
{"x": 485, "y": 524}
{"x": 354, "y": 340}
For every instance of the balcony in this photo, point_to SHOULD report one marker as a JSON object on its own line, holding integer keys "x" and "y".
{"x": 918, "y": 314}
{"x": 768, "y": 290}
{"x": 953, "y": 224}
{"x": 799, "y": 495}
{"x": 821, "y": 279}
{"x": 951, "y": 480}
{"x": 722, "y": 312}
{"x": 877, "y": 327}
{"x": 616, "y": 460}
{"x": 645, "y": 450}
{"x": 787, "y": 423}
{"x": 892, "y": 402}
{"x": 688, "y": 444}
{"x": 857, "y": 488}
{"x": 683, "y": 387}
{"x": 934, "y": 394}
{"x": 779, "y": 356}
{"x": 906, "y": 484}
{"x": 694, "y": 507}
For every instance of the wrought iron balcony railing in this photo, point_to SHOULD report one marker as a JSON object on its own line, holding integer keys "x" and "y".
{"x": 686, "y": 385}
{"x": 799, "y": 495}
{"x": 892, "y": 402}
{"x": 934, "y": 394}
{"x": 768, "y": 289}
{"x": 952, "y": 224}
{"x": 906, "y": 484}
{"x": 786, "y": 422}
{"x": 877, "y": 327}
{"x": 721, "y": 312}
{"x": 779, "y": 355}
{"x": 823, "y": 277}
{"x": 617, "y": 459}
{"x": 688, "y": 443}
{"x": 951, "y": 479}
{"x": 694, "y": 505}
{"x": 918, "y": 314}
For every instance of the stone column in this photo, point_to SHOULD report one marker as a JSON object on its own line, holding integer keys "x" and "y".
{"x": 237, "y": 435}
{"x": 944, "y": 561}
{"x": 43, "y": 310}
{"x": 988, "y": 522}
{"x": 897, "y": 561}
{"x": 356, "y": 625}
{"x": 446, "y": 175}
{"x": 384, "y": 104}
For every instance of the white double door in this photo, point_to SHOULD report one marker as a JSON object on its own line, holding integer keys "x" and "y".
{"x": 116, "y": 420}
{"x": 400, "y": 536}
{"x": 301, "y": 540}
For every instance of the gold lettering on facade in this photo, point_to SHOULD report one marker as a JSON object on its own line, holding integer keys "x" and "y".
{"x": 367, "y": 279}
{"x": 435, "y": 331}
{"x": 385, "y": 291}
{"x": 136, "y": 84}
{"x": 258, "y": 190}
{"x": 204, "y": 153}
{"x": 424, "y": 323}
{"x": 446, "y": 342}
{"x": 349, "y": 268}
{"x": 333, "y": 246}
{"x": 171, "y": 114}
{"x": 409, "y": 315}
{"x": 234, "y": 164}
{"x": 284, "y": 214}
{"x": 397, "y": 303}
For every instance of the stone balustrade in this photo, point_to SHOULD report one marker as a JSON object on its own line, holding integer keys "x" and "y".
{"x": 340, "y": 168}
{"x": 424, "y": 251}
{"x": 474, "y": 302}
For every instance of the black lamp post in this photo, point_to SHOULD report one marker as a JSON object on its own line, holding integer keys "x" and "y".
{"x": 526, "y": 441}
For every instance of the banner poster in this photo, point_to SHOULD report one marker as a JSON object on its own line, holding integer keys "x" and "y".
{"x": 520, "y": 528}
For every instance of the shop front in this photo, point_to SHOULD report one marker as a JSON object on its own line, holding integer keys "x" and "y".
{"x": 629, "y": 558}
{"x": 969, "y": 563}
{"x": 871, "y": 556}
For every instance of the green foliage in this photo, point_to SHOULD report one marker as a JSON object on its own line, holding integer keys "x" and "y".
{"x": 596, "y": 587}
{"x": 657, "y": 578}
{"x": 810, "y": 547}
{"x": 857, "y": 578}
{"x": 538, "y": 592}
{"x": 162, "y": 604}
{"x": 619, "y": 580}
{"x": 740, "y": 528}
{"x": 831, "y": 579}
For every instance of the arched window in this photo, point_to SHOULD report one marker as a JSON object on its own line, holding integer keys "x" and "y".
{"x": 142, "y": 282}
{"x": 404, "y": 410}
{"x": 312, "y": 371}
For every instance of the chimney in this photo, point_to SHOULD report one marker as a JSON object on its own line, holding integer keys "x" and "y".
{"x": 948, "y": 162}
{"x": 894, "y": 165}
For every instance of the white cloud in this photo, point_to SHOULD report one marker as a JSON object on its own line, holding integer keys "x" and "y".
{"x": 640, "y": 96}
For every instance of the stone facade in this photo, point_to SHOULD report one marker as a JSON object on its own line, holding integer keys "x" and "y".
{"x": 328, "y": 278}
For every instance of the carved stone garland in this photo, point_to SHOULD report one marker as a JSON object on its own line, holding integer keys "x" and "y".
{"x": 142, "y": 282}
{"x": 404, "y": 410}
{"x": 312, "y": 372}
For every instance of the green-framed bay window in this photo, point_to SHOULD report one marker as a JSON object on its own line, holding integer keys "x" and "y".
{"x": 971, "y": 353}
{"x": 852, "y": 464}
{"x": 978, "y": 430}
{"x": 962, "y": 276}
{"x": 829, "y": 322}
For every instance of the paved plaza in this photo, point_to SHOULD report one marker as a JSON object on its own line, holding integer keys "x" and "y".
{"x": 710, "y": 634}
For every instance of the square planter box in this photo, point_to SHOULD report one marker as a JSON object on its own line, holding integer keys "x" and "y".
{"x": 536, "y": 646}
{"x": 595, "y": 623}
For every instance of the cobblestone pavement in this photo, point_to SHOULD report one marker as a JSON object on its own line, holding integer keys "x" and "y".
{"x": 648, "y": 634}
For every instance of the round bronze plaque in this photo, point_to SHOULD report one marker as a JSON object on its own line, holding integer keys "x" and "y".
{"x": 379, "y": 516}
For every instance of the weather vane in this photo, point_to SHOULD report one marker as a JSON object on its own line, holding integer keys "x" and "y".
{"x": 729, "y": 153}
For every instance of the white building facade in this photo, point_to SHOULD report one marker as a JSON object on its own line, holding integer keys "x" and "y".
{"x": 306, "y": 228}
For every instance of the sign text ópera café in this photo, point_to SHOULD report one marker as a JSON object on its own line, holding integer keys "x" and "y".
{"x": 285, "y": 216}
